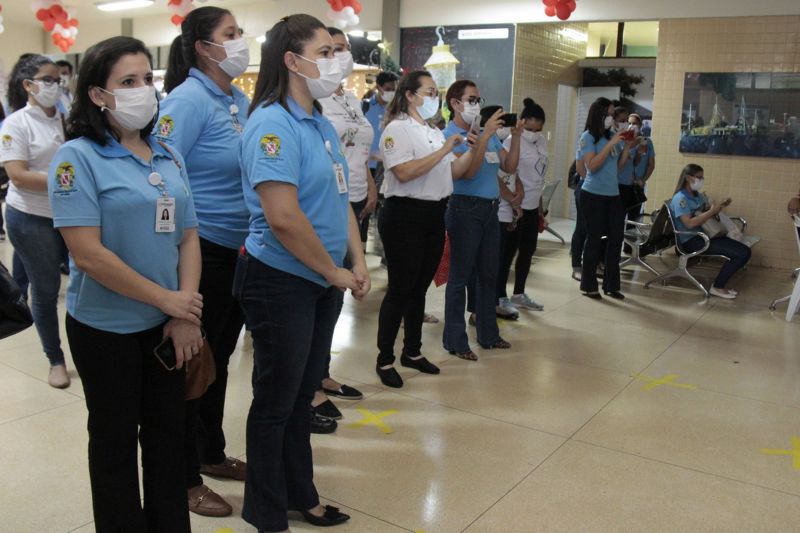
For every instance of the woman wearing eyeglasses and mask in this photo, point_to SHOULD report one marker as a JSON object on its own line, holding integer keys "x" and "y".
{"x": 471, "y": 222}
{"x": 133, "y": 306}
{"x": 600, "y": 148}
{"x": 290, "y": 275}
{"x": 691, "y": 209}
{"x": 202, "y": 118}
{"x": 29, "y": 138}
{"x": 419, "y": 172}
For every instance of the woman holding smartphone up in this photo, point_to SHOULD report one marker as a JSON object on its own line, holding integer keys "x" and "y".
{"x": 133, "y": 284}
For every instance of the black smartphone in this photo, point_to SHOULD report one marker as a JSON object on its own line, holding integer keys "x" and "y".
{"x": 165, "y": 353}
{"x": 509, "y": 120}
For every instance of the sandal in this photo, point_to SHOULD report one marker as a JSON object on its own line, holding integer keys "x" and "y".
{"x": 500, "y": 344}
{"x": 469, "y": 355}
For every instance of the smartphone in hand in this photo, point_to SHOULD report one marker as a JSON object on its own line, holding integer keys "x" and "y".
{"x": 165, "y": 353}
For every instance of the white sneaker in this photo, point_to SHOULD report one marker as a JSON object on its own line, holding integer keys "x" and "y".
{"x": 58, "y": 378}
{"x": 522, "y": 300}
{"x": 722, "y": 293}
{"x": 506, "y": 310}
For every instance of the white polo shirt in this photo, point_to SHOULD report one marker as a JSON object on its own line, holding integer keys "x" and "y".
{"x": 30, "y": 135}
{"x": 404, "y": 139}
{"x": 355, "y": 137}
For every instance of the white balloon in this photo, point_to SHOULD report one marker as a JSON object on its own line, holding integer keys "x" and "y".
{"x": 2, "y": 28}
{"x": 348, "y": 12}
{"x": 73, "y": 32}
{"x": 354, "y": 20}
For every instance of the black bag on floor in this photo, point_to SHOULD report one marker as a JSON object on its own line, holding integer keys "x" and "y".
{"x": 15, "y": 315}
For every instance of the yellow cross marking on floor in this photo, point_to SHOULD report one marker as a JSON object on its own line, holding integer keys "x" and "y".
{"x": 225, "y": 530}
{"x": 668, "y": 380}
{"x": 794, "y": 452}
{"x": 373, "y": 419}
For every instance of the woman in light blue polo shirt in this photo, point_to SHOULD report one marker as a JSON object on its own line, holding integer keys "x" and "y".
{"x": 203, "y": 117}
{"x": 133, "y": 284}
{"x": 471, "y": 222}
{"x": 301, "y": 225}
{"x": 690, "y": 210}
{"x": 601, "y": 206}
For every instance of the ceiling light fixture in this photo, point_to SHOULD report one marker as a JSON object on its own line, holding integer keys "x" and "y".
{"x": 121, "y": 5}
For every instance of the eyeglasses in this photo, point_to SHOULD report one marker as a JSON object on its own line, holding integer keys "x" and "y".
{"x": 432, "y": 92}
{"x": 49, "y": 81}
{"x": 472, "y": 100}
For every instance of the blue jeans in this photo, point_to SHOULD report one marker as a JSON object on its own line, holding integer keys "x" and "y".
{"x": 474, "y": 235}
{"x": 40, "y": 248}
{"x": 292, "y": 321}
{"x": 738, "y": 253}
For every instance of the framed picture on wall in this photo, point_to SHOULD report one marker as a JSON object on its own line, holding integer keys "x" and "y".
{"x": 741, "y": 114}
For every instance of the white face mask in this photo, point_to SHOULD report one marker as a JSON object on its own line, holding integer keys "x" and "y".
{"x": 134, "y": 108}
{"x": 697, "y": 185}
{"x": 237, "y": 57}
{"x": 47, "y": 96}
{"x": 429, "y": 107}
{"x": 387, "y": 96}
{"x": 345, "y": 62}
{"x": 330, "y": 76}
{"x": 609, "y": 123}
{"x": 470, "y": 112}
{"x": 532, "y": 136}
{"x": 503, "y": 133}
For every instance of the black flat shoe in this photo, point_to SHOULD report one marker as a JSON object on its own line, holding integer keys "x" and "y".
{"x": 593, "y": 295}
{"x": 332, "y": 517}
{"x": 389, "y": 377}
{"x": 345, "y": 392}
{"x": 615, "y": 294}
{"x": 327, "y": 410}
{"x": 321, "y": 425}
{"x": 421, "y": 364}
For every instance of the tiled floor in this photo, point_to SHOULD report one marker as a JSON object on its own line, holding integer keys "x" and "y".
{"x": 647, "y": 415}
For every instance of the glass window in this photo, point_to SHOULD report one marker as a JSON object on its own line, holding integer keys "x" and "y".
{"x": 640, "y": 39}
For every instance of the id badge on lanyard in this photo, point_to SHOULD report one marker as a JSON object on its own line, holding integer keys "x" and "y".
{"x": 165, "y": 205}
{"x": 338, "y": 170}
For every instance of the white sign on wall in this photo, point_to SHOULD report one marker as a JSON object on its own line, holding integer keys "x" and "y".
{"x": 483, "y": 33}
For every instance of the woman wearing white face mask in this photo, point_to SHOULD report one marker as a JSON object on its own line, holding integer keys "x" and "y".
{"x": 133, "y": 303}
{"x": 419, "y": 172}
{"x": 520, "y": 239}
{"x": 356, "y": 135}
{"x": 291, "y": 271}
{"x": 30, "y": 137}
{"x": 202, "y": 118}
{"x": 691, "y": 209}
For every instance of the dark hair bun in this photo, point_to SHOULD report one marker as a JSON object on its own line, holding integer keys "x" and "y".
{"x": 529, "y": 103}
{"x": 532, "y": 110}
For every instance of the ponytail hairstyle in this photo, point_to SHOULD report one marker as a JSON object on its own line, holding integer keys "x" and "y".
{"x": 532, "y": 110}
{"x": 411, "y": 82}
{"x": 290, "y": 34}
{"x": 199, "y": 25}
{"x": 689, "y": 170}
{"x": 26, "y": 68}
{"x": 596, "y": 119}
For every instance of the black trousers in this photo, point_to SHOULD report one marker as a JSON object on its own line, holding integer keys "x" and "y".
{"x": 129, "y": 394}
{"x": 521, "y": 242}
{"x": 604, "y": 216}
{"x": 631, "y": 209}
{"x": 412, "y": 232}
{"x": 292, "y": 321}
{"x": 223, "y": 320}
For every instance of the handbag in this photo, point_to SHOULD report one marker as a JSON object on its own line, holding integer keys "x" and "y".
{"x": 15, "y": 315}
{"x": 639, "y": 197}
{"x": 714, "y": 228}
{"x": 201, "y": 372}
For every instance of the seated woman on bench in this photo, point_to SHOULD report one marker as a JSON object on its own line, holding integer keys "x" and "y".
{"x": 689, "y": 208}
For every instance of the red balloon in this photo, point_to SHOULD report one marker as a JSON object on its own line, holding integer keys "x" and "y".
{"x": 572, "y": 5}
{"x": 563, "y": 11}
{"x": 337, "y": 5}
{"x": 176, "y": 19}
{"x": 42, "y": 15}
{"x": 56, "y": 10}
{"x": 49, "y": 24}
{"x": 550, "y": 2}
{"x": 357, "y": 7}
{"x": 550, "y": 11}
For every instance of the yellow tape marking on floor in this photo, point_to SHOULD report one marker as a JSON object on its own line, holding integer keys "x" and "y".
{"x": 668, "y": 380}
{"x": 794, "y": 452}
{"x": 225, "y": 530}
{"x": 373, "y": 419}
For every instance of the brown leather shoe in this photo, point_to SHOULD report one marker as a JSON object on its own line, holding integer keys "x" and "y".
{"x": 206, "y": 502}
{"x": 230, "y": 468}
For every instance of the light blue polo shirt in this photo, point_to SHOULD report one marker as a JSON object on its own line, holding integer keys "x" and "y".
{"x": 604, "y": 181}
{"x": 685, "y": 203}
{"x": 196, "y": 119}
{"x": 375, "y": 115}
{"x": 300, "y": 149}
{"x": 107, "y": 187}
{"x": 644, "y": 161}
{"x": 484, "y": 183}
{"x": 625, "y": 174}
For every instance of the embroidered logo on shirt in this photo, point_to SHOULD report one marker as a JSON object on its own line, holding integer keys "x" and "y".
{"x": 271, "y": 145}
{"x": 7, "y": 140}
{"x": 388, "y": 143}
{"x": 165, "y": 126}
{"x": 683, "y": 203}
{"x": 65, "y": 177}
